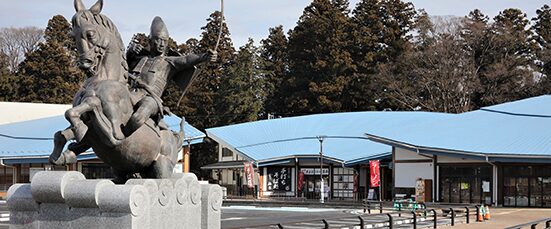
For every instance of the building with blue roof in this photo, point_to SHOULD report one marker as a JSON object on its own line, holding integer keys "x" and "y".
{"x": 291, "y": 146}
{"x": 497, "y": 155}
{"x": 26, "y": 142}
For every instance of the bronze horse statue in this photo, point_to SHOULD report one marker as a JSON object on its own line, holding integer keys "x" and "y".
{"x": 104, "y": 103}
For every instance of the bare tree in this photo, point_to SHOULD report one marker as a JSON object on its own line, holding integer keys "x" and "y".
{"x": 437, "y": 75}
{"x": 16, "y": 42}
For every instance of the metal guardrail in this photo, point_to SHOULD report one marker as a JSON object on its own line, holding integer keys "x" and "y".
{"x": 533, "y": 224}
{"x": 393, "y": 218}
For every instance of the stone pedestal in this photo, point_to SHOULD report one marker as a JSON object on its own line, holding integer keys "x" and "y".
{"x": 59, "y": 199}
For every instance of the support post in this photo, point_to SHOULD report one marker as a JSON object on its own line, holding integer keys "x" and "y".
{"x": 185, "y": 159}
{"x": 390, "y": 221}
{"x": 453, "y": 216}
{"x": 414, "y": 219}
{"x": 362, "y": 223}
{"x": 435, "y": 219}
{"x": 325, "y": 223}
{"x": 467, "y": 214}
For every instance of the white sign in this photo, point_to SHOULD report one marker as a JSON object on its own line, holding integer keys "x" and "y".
{"x": 316, "y": 171}
{"x": 485, "y": 186}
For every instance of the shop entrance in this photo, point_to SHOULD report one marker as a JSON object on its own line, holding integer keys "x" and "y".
{"x": 313, "y": 185}
{"x": 465, "y": 184}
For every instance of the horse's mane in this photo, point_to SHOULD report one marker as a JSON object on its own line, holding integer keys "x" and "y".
{"x": 99, "y": 20}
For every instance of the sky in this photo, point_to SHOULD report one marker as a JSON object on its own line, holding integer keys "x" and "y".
{"x": 244, "y": 18}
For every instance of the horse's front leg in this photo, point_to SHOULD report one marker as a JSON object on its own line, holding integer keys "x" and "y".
{"x": 60, "y": 139}
{"x": 69, "y": 156}
{"x": 74, "y": 115}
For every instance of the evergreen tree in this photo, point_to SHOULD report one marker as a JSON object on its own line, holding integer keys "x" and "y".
{"x": 542, "y": 28}
{"x": 380, "y": 33}
{"x": 320, "y": 63}
{"x": 202, "y": 104}
{"x": 276, "y": 67}
{"x": 243, "y": 89}
{"x": 508, "y": 75}
{"x": 49, "y": 74}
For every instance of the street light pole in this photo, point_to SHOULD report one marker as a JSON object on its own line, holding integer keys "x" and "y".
{"x": 320, "y": 139}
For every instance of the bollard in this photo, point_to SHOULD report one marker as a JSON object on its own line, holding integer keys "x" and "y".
{"x": 390, "y": 221}
{"x": 381, "y": 207}
{"x": 467, "y": 214}
{"x": 534, "y": 226}
{"x": 325, "y": 223}
{"x": 279, "y": 226}
{"x": 453, "y": 216}
{"x": 414, "y": 219}
{"x": 548, "y": 224}
{"x": 362, "y": 223}
{"x": 435, "y": 218}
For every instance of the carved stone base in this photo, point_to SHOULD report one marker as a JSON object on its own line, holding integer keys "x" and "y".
{"x": 59, "y": 199}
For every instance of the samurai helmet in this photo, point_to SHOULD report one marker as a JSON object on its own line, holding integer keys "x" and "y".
{"x": 158, "y": 28}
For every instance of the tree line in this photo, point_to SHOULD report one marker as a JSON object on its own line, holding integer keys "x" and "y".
{"x": 376, "y": 55}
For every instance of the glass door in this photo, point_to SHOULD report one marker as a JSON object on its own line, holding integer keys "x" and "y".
{"x": 522, "y": 192}
{"x": 509, "y": 191}
{"x": 536, "y": 199}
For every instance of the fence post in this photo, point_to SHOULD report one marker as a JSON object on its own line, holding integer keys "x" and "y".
{"x": 435, "y": 218}
{"x": 279, "y": 226}
{"x": 478, "y": 219}
{"x": 362, "y": 223}
{"x": 390, "y": 221}
{"x": 326, "y": 224}
{"x": 467, "y": 214}
{"x": 453, "y": 216}
{"x": 414, "y": 219}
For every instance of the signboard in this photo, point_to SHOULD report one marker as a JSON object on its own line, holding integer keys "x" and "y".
{"x": 279, "y": 179}
{"x": 249, "y": 174}
{"x": 485, "y": 186}
{"x": 374, "y": 172}
{"x": 300, "y": 180}
{"x": 371, "y": 194}
{"x": 314, "y": 171}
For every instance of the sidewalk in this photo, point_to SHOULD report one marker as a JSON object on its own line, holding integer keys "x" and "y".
{"x": 506, "y": 217}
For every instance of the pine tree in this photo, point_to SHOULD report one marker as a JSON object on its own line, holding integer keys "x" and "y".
{"x": 542, "y": 28}
{"x": 508, "y": 75}
{"x": 243, "y": 89}
{"x": 276, "y": 67}
{"x": 380, "y": 33}
{"x": 202, "y": 103}
{"x": 320, "y": 63}
{"x": 49, "y": 74}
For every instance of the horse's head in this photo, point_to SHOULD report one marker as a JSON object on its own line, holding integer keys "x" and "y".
{"x": 96, "y": 37}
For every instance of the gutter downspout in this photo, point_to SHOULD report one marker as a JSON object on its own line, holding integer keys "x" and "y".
{"x": 494, "y": 180}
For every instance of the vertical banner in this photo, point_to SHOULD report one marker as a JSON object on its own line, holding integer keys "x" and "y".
{"x": 374, "y": 172}
{"x": 300, "y": 180}
{"x": 249, "y": 174}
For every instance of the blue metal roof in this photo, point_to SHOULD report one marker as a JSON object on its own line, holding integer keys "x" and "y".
{"x": 519, "y": 129}
{"x": 345, "y": 140}
{"x": 35, "y": 138}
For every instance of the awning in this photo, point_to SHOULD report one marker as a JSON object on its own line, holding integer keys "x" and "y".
{"x": 225, "y": 165}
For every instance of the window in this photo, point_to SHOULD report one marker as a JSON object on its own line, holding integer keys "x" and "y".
{"x": 343, "y": 182}
{"x": 226, "y": 152}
